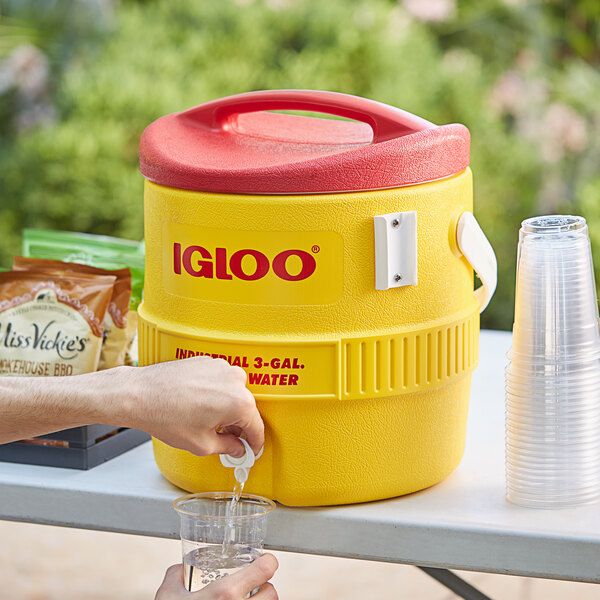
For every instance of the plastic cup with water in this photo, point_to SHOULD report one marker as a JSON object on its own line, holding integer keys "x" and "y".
{"x": 216, "y": 542}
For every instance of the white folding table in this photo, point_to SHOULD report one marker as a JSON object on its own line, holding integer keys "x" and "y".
{"x": 462, "y": 523}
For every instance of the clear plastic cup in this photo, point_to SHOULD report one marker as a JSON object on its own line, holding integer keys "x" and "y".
{"x": 555, "y": 305}
{"x": 574, "y": 389}
{"x": 551, "y": 503}
{"x": 553, "y": 497}
{"x": 586, "y": 476}
{"x": 520, "y": 408}
{"x": 529, "y": 456}
{"x": 520, "y": 367}
{"x": 566, "y": 425}
{"x": 548, "y": 484}
{"x": 551, "y": 418}
{"x": 586, "y": 469}
{"x": 218, "y": 540}
{"x": 544, "y": 489}
{"x": 553, "y": 375}
{"x": 571, "y": 451}
{"x": 535, "y": 474}
{"x": 546, "y": 400}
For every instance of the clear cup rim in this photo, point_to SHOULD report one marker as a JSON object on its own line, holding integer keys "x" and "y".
{"x": 573, "y": 389}
{"x": 566, "y": 394}
{"x": 543, "y": 473}
{"x": 537, "y": 401}
{"x": 518, "y": 484}
{"x": 540, "y": 422}
{"x": 538, "y": 452}
{"x": 517, "y": 415}
{"x": 539, "y": 405}
{"x": 567, "y": 359}
{"x": 535, "y": 456}
{"x": 524, "y": 438}
{"x": 564, "y": 398}
{"x": 513, "y": 484}
{"x": 542, "y": 488}
{"x": 268, "y": 505}
{"x": 540, "y": 360}
{"x": 553, "y": 224}
{"x": 562, "y": 366}
{"x": 552, "y": 422}
{"x": 551, "y": 380}
{"x": 539, "y": 444}
{"x": 524, "y": 462}
{"x": 556, "y": 499}
{"x": 553, "y": 419}
{"x": 524, "y": 502}
{"x": 553, "y": 474}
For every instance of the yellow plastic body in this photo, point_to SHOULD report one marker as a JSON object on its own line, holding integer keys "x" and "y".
{"x": 364, "y": 392}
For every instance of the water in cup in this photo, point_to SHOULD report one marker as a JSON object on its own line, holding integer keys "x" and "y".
{"x": 204, "y": 565}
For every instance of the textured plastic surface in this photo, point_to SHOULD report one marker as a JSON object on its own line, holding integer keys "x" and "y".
{"x": 379, "y": 376}
{"x": 233, "y": 145}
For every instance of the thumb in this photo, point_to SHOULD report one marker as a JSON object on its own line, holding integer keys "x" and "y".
{"x": 172, "y": 585}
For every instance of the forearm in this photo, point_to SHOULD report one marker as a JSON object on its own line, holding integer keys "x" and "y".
{"x": 31, "y": 406}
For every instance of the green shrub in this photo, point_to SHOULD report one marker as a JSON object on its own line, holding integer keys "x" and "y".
{"x": 81, "y": 172}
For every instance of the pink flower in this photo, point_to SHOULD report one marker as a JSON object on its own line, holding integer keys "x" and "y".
{"x": 431, "y": 11}
{"x": 508, "y": 93}
{"x": 563, "y": 131}
{"x": 26, "y": 71}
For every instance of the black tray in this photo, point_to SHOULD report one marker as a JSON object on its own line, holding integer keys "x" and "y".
{"x": 78, "y": 448}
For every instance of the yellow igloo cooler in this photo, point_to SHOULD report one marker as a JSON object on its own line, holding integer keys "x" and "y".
{"x": 331, "y": 259}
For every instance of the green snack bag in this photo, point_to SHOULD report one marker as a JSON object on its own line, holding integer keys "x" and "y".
{"x": 101, "y": 251}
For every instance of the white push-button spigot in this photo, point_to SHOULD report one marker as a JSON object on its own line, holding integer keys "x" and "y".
{"x": 242, "y": 464}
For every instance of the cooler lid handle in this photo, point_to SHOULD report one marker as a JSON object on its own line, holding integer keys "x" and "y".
{"x": 387, "y": 122}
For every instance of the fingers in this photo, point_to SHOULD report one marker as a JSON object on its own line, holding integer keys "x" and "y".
{"x": 239, "y": 374}
{"x": 267, "y": 592}
{"x": 255, "y": 431}
{"x": 255, "y": 575}
{"x": 227, "y": 443}
{"x": 172, "y": 585}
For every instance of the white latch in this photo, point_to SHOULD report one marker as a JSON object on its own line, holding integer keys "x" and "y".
{"x": 395, "y": 250}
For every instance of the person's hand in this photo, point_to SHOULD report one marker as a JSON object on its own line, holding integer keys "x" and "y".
{"x": 200, "y": 404}
{"x": 233, "y": 587}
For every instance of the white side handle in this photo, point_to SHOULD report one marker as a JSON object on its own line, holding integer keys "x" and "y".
{"x": 479, "y": 252}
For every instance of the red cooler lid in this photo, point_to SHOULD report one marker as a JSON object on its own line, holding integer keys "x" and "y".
{"x": 233, "y": 145}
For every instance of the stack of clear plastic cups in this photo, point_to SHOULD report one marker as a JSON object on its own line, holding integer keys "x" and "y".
{"x": 553, "y": 375}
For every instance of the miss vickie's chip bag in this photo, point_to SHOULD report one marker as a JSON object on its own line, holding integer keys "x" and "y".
{"x": 51, "y": 323}
{"x": 101, "y": 251}
{"x": 117, "y": 335}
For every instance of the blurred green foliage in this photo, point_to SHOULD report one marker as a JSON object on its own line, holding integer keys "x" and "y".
{"x": 523, "y": 76}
